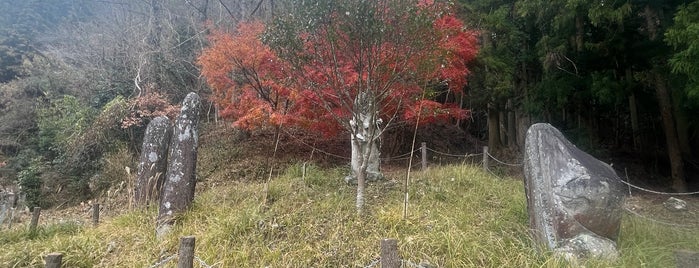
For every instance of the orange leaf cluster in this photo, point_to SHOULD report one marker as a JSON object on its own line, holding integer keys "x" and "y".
{"x": 246, "y": 77}
{"x": 148, "y": 106}
{"x": 256, "y": 88}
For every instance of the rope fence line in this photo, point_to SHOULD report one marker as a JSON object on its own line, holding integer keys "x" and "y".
{"x": 402, "y": 156}
{"x": 168, "y": 259}
{"x": 493, "y": 173}
{"x": 392, "y": 158}
{"x": 164, "y": 261}
{"x": 502, "y": 162}
{"x": 203, "y": 263}
{"x": 316, "y": 149}
{"x": 655, "y": 192}
{"x": 406, "y": 155}
{"x": 404, "y": 263}
{"x": 659, "y": 221}
{"x": 453, "y": 155}
{"x": 408, "y": 263}
{"x": 373, "y": 263}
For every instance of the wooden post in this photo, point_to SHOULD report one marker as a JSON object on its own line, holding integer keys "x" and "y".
{"x": 95, "y": 214}
{"x": 54, "y": 260}
{"x": 389, "y": 254}
{"x": 423, "y": 149}
{"x": 35, "y": 219}
{"x": 186, "y": 253}
{"x": 485, "y": 158}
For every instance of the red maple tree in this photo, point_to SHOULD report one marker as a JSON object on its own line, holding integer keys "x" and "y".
{"x": 246, "y": 77}
{"x": 357, "y": 66}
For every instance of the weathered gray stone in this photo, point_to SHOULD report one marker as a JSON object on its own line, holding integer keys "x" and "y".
{"x": 4, "y": 206}
{"x": 585, "y": 246}
{"x": 574, "y": 200}
{"x": 686, "y": 259}
{"x": 675, "y": 204}
{"x": 153, "y": 161}
{"x": 180, "y": 180}
{"x": 9, "y": 201}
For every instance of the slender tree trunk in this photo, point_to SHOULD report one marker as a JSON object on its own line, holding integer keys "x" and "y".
{"x": 636, "y": 132}
{"x": 511, "y": 125}
{"x": 493, "y": 128}
{"x": 671, "y": 139}
{"x": 579, "y": 32}
{"x": 633, "y": 110}
{"x": 523, "y": 123}
{"x": 665, "y": 105}
{"x": 365, "y": 161}
{"x": 682, "y": 124}
{"x": 502, "y": 127}
{"x": 361, "y": 179}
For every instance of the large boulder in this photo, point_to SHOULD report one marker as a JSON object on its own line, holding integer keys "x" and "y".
{"x": 153, "y": 162}
{"x": 574, "y": 200}
{"x": 180, "y": 179}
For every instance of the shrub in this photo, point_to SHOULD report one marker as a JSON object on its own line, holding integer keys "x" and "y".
{"x": 30, "y": 183}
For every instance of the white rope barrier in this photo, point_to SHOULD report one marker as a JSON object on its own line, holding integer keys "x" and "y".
{"x": 202, "y": 263}
{"x": 655, "y": 192}
{"x": 373, "y": 263}
{"x": 163, "y": 262}
{"x": 453, "y": 155}
{"x": 316, "y": 149}
{"x": 504, "y": 163}
{"x": 659, "y": 221}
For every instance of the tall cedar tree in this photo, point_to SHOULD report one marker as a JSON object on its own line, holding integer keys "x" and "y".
{"x": 357, "y": 66}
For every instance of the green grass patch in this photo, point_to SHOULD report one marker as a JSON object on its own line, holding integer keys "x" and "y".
{"x": 457, "y": 217}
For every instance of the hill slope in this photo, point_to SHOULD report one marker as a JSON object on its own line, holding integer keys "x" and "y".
{"x": 458, "y": 217}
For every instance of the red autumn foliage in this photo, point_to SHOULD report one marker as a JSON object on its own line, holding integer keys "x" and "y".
{"x": 255, "y": 87}
{"x": 148, "y": 106}
{"x": 247, "y": 79}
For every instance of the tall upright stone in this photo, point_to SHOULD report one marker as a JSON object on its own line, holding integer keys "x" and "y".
{"x": 180, "y": 180}
{"x": 4, "y": 206}
{"x": 574, "y": 200}
{"x": 153, "y": 162}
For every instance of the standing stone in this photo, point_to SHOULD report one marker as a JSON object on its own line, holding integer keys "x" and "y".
{"x": 180, "y": 179}
{"x": 153, "y": 162}
{"x": 8, "y": 202}
{"x": 4, "y": 206}
{"x": 574, "y": 200}
{"x": 686, "y": 259}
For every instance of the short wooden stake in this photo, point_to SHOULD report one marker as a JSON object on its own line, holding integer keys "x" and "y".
{"x": 35, "y": 219}
{"x": 54, "y": 260}
{"x": 95, "y": 214}
{"x": 389, "y": 254}
{"x": 186, "y": 253}
{"x": 485, "y": 158}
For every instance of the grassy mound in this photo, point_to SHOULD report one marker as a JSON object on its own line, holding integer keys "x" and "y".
{"x": 458, "y": 217}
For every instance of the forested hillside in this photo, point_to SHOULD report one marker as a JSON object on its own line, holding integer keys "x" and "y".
{"x": 79, "y": 80}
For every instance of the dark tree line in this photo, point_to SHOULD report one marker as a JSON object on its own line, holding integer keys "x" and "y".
{"x": 617, "y": 76}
